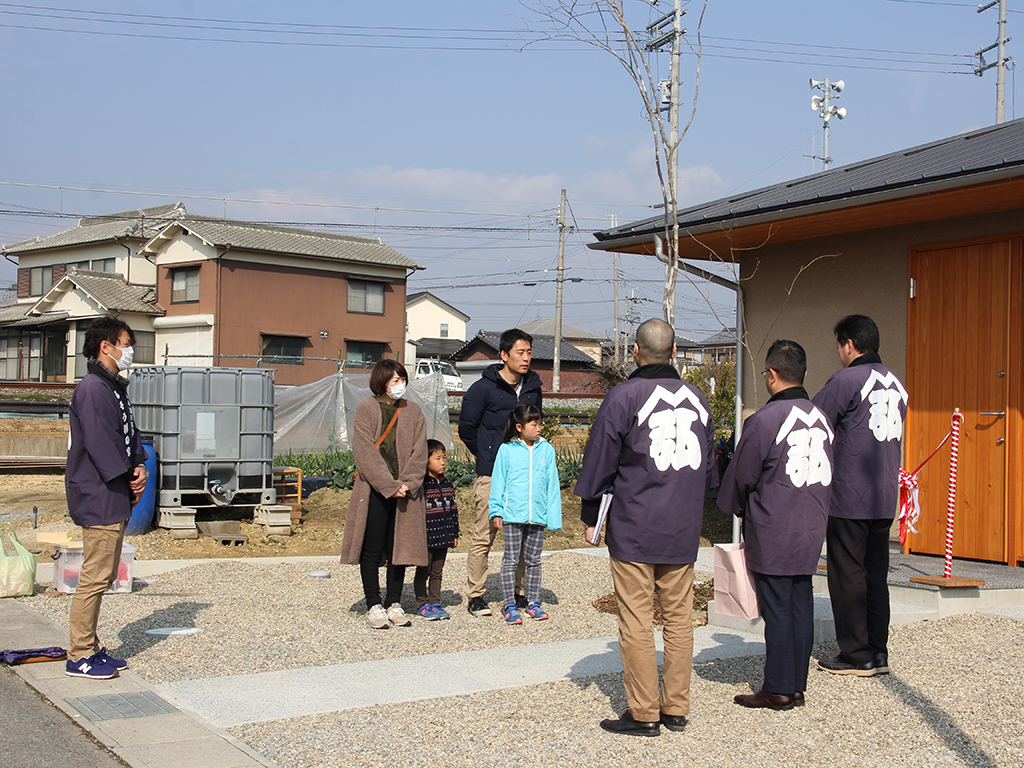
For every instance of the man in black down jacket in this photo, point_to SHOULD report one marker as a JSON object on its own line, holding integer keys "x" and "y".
{"x": 485, "y": 409}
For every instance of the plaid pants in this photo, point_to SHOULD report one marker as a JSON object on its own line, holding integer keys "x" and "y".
{"x": 530, "y": 540}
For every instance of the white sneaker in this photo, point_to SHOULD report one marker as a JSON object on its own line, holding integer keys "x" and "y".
{"x": 397, "y": 616}
{"x": 377, "y": 618}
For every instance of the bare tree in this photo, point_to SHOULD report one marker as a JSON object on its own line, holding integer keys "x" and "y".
{"x": 604, "y": 24}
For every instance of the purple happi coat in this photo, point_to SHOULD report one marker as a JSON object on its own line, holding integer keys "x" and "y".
{"x": 866, "y": 405}
{"x": 652, "y": 444}
{"x": 780, "y": 482}
{"x": 103, "y": 449}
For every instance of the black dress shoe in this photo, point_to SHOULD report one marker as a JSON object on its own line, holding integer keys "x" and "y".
{"x": 798, "y": 699}
{"x": 764, "y": 700}
{"x": 839, "y": 667}
{"x": 881, "y": 662}
{"x": 673, "y": 722}
{"x": 626, "y": 724}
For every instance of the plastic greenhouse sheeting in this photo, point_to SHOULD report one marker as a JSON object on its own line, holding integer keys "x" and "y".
{"x": 316, "y": 417}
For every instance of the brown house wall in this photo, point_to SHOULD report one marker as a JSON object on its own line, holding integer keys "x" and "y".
{"x": 207, "y": 303}
{"x": 863, "y": 273}
{"x": 260, "y": 298}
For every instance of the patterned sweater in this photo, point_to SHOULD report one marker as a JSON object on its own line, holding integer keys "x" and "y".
{"x": 442, "y": 513}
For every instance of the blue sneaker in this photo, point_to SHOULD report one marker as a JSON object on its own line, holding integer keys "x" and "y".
{"x": 428, "y": 612}
{"x": 535, "y": 612}
{"x": 102, "y": 657}
{"x": 511, "y": 614}
{"x": 88, "y": 667}
{"x": 442, "y": 614}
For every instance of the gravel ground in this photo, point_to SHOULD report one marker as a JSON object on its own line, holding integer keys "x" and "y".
{"x": 300, "y": 621}
{"x": 945, "y": 704}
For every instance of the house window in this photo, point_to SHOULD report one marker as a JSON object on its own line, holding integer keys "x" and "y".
{"x": 103, "y": 265}
{"x": 283, "y": 350}
{"x": 444, "y": 330}
{"x": 80, "y": 265}
{"x": 363, "y": 351}
{"x": 40, "y": 280}
{"x": 145, "y": 347}
{"x": 185, "y": 285}
{"x": 364, "y": 297}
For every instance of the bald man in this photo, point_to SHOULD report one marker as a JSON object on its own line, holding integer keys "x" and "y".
{"x": 652, "y": 447}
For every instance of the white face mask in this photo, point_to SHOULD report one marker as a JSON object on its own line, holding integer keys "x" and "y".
{"x": 397, "y": 390}
{"x": 125, "y": 361}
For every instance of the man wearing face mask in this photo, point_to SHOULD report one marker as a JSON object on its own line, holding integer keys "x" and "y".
{"x": 105, "y": 474}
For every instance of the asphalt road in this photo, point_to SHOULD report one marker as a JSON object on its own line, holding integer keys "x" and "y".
{"x": 35, "y": 734}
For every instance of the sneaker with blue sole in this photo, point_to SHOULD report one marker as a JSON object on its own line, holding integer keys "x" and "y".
{"x": 102, "y": 657}
{"x": 428, "y": 612}
{"x": 87, "y": 667}
{"x": 535, "y": 612}
{"x": 511, "y": 614}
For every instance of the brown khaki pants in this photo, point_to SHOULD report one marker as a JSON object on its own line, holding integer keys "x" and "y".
{"x": 483, "y": 539}
{"x": 100, "y": 560}
{"x": 635, "y": 584}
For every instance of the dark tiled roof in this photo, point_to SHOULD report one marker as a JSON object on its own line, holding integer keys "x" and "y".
{"x": 271, "y": 238}
{"x": 148, "y": 223}
{"x": 13, "y": 313}
{"x": 724, "y": 338}
{"x": 112, "y": 292}
{"x": 966, "y": 157}
{"x": 8, "y": 297}
{"x": 140, "y": 224}
{"x": 543, "y": 347}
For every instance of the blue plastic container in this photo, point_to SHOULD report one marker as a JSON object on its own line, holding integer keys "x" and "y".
{"x": 142, "y": 513}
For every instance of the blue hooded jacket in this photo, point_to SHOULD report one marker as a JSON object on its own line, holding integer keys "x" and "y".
{"x": 525, "y": 487}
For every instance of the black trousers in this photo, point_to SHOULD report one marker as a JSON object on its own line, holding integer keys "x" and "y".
{"x": 858, "y": 570}
{"x": 378, "y": 542}
{"x": 787, "y": 607}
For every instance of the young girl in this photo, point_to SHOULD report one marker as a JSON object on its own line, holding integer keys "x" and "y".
{"x": 525, "y": 499}
{"x": 442, "y": 532}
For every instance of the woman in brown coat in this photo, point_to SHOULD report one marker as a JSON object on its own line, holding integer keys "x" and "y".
{"x": 386, "y": 521}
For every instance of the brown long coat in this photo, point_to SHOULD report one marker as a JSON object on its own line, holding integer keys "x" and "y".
{"x": 411, "y": 518}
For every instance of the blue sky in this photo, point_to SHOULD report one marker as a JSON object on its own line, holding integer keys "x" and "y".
{"x": 424, "y": 124}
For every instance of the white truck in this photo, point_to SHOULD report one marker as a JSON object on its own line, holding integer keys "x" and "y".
{"x": 452, "y": 379}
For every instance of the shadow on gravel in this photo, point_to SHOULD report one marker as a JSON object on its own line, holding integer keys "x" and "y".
{"x": 589, "y": 671}
{"x": 451, "y": 598}
{"x": 966, "y": 748}
{"x": 134, "y": 639}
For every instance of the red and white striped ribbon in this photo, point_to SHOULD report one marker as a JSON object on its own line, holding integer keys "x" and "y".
{"x": 954, "y": 455}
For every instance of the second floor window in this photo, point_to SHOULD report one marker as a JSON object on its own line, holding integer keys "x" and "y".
{"x": 40, "y": 280}
{"x": 185, "y": 285}
{"x": 444, "y": 330}
{"x": 365, "y": 297}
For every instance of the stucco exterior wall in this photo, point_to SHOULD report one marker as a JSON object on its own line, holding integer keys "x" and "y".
{"x": 138, "y": 271}
{"x": 425, "y": 318}
{"x": 864, "y": 273}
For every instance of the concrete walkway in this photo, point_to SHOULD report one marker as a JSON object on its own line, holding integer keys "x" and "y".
{"x": 181, "y": 723}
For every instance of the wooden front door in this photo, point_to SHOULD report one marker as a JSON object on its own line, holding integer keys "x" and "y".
{"x": 958, "y": 356}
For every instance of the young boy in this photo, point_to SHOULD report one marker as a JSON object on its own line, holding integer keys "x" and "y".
{"x": 442, "y": 532}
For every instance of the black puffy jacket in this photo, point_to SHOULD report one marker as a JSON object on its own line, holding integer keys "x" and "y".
{"x": 485, "y": 409}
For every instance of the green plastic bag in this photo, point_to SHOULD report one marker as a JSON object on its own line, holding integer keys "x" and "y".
{"x": 17, "y": 571}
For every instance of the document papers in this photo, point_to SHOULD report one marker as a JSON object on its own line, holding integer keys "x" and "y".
{"x": 602, "y": 516}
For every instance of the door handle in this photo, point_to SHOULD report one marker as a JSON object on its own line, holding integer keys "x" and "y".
{"x": 1000, "y": 414}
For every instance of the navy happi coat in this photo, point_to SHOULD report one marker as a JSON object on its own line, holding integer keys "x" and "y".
{"x": 866, "y": 405}
{"x": 103, "y": 449}
{"x": 780, "y": 482}
{"x": 652, "y": 444}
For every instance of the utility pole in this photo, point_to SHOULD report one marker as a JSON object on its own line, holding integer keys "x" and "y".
{"x": 659, "y": 36}
{"x": 615, "y": 266}
{"x": 825, "y": 111}
{"x": 557, "y": 367}
{"x": 1000, "y": 62}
